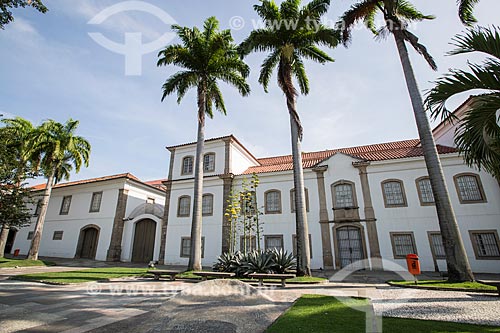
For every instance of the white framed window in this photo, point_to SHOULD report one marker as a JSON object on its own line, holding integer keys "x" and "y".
{"x": 437, "y": 247}
{"x": 424, "y": 189}
{"x": 208, "y": 204}
{"x": 344, "y": 197}
{"x": 403, "y": 243}
{"x": 58, "y": 235}
{"x": 65, "y": 205}
{"x": 469, "y": 188}
{"x": 272, "y": 202}
{"x": 394, "y": 195}
{"x": 95, "y": 203}
{"x": 485, "y": 243}
{"x": 186, "y": 247}
{"x": 187, "y": 165}
{"x": 184, "y": 206}
{"x": 209, "y": 162}
{"x": 273, "y": 241}
{"x": 292, "y": 199}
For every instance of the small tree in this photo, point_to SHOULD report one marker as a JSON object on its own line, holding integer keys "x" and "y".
{"x": 5, "y": 5}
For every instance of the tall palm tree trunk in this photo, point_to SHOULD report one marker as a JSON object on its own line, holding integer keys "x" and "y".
{"x": 3, "y": 239}
{"x": 456, "y": 257}
{"x": 196, "y": 227}
{"x": 302, "y": 229}
{"x": 37, "y": 237}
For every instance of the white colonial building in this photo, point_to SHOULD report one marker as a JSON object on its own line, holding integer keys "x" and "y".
{"x": 363, "y": 202}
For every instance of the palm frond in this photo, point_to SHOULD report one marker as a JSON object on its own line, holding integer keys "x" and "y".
{"x": 267, "y": 68}
{"x": 420, "y": 48}
{"x": 299, "y": 72}
{"x": 466, "y": 11}
{"x": 358, "y": 12}
{"x": 479, "y": 39}
{"x": 268, "y": 10}
{"x": 408, "y": 11}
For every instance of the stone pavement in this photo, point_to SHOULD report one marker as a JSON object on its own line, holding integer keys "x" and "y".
{"x": 144, "y": 305}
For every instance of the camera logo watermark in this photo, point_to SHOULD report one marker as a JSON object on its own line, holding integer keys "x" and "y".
{"x": 373, "y": 317}
{"x": 133, "y": 49}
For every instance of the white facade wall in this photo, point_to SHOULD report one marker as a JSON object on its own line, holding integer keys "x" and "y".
{"x": 217, "y": 147}
{"x": 138, "y": 195}
{"x": 179, "y": 227}
{"x": 240, "y": 161}
{"x": 77, "y": 218}
{"x": 422, "y": 219}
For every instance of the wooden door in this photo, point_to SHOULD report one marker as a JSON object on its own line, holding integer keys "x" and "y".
{"x": 350, "y": 245}
{"x": 89, "y": 243}
{"x": 144, "y": 241}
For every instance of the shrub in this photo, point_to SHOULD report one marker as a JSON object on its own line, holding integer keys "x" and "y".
{"x": 282, "y": 261}
{"x": 242, "y": 264}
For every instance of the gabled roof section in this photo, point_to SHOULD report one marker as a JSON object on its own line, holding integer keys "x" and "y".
{"x": 221, "y": 138}
{"x": 130, "y": 176}
{"x": 376, "y": 152}
{"x": 158, "y": 183}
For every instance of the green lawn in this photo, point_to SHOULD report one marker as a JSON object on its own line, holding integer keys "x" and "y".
{"x": 4, "y": 262}
{"x": 442, "y": 284}
{"x": 317, "y": 313}
{"x": 86, "y": 275}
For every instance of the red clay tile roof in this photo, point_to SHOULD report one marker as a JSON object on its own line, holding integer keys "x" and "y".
{"x": 158, "y": 183}
{"x": 87, "y": 181}
{"x": 376, "y": 152}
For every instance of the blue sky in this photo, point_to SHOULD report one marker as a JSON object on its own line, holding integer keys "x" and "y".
{"x": 51, "y": 68}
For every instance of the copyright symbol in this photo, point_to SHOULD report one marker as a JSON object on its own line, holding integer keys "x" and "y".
{"x": 236, "y": 22}
{"x": 93, "y": 289}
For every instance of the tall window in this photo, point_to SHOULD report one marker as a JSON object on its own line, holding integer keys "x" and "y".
{"x": 38, "y": 207}
{"x": 208, "y": 204}
{"x": 292, "y": 199}
{"x": 273, "y": 241}
{"x": 186, "y": 247}
{"x": 187, "y": 165}
{"x": 437, "y": 246}
{"x": 425, "y": 191}
{"x": 66, "y": 203}
{"x": 394, "y": 195}
{"x": 344, "y": 197}
{"x": 403, "y": 243}
{"x": 95, "y": 203}
{"x": 150, "y": 201}
{"x": 485, "y": 243}
{"x": 184, "y": 206}
{"x": 469, "y": 188}
{"x": 273, "y": 202}
{"x": 209, "y": 162}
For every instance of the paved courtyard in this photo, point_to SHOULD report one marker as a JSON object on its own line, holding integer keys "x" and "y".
{"x": 144, "y": 305}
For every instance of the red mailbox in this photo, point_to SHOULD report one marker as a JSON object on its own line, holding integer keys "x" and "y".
{"x": 413, "y": 264}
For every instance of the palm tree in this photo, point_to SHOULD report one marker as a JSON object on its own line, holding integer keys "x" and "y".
{"x": 397, "y": 14}
{"x": 292, "y": 34}
{"x": 478, "y": 135}
{"x": 466, "y": 11}
{"x": 206, "y": 57}
{"x": 16, "y": 136}
{"x": 57, "y": 147}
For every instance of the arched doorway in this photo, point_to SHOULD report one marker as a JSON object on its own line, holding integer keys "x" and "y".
{"x": 144, "y": 241}
{"x": 87, "y": 242}
{"x": 350, "y": 245}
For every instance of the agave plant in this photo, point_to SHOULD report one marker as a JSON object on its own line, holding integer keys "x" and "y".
{"x": 282, "y": 261}
{"x": 259, "y": 262}
{"x": 224, "y": 262}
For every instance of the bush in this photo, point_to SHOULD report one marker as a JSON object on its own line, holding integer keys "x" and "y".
{"x": 242, "y": 264}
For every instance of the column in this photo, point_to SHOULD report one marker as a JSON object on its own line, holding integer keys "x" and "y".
{"x": 164, "y": 220}
{"x": 115, "y": 246}
{"x": 326, "y": 240}
{"x": 371, "y": 221}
